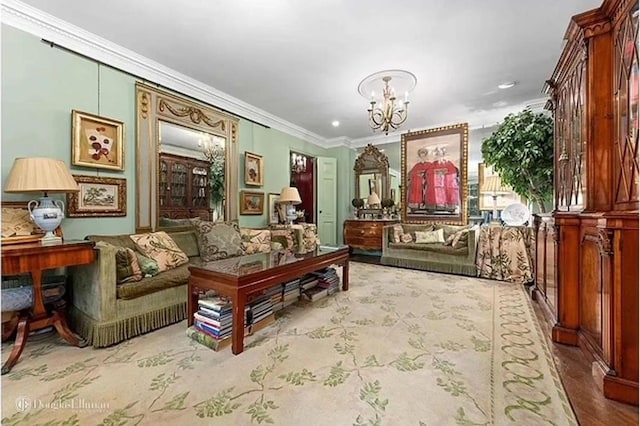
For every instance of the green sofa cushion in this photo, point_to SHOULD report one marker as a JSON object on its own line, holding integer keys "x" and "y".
{"x": 436, "y": 247}
{"x": 171, "y": 278}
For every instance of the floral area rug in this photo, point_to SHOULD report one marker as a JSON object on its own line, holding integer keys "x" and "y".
{"x": 401, "y": 347}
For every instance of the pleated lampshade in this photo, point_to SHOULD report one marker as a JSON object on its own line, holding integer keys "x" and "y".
{"x": 290, "y": 195}
{"x": 40, "y": 175}
{"x": 373, "y": 199}
{"x": 493, "y": 186}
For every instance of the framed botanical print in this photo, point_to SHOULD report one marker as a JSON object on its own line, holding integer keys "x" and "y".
{"x": 251, "y": 202}
{"x": 434, "y": 171}
{"x": 98, "y": 197}
{"x": 253, "y": 169}
{"x": 276, "y": 214}
{"x": 97, "y": 141}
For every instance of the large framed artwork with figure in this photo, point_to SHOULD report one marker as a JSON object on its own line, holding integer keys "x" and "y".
{"x": 434, "y": 173}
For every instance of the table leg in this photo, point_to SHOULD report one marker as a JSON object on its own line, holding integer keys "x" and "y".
{"x": 237, "y": 326}
{"x": 18, "y": 346}
{"x": 192, "y": 303}
{"x": 9, "y": 327}
{"x": 61, "y": 325}
{"x": 38, "y": 302}
{"x": 345, "y": 275}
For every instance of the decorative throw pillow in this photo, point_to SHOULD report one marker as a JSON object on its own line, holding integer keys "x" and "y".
{"x": 460, "y": 239}
{"x": 149, "y": 267}
{"x": 161, "y": 248}
{"x": 255, "y": 240}
{"x": 127, "y": 266}
{"x": 430, "y": 237}
{"x": 284, "y": 237}
{"x": 219, "y": 240}
{"x": 406, "y": 238}
{"x": 396, "y": 234}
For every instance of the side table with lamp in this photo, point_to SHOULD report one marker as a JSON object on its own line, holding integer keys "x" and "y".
{"x": 290, "y": 197}
{"x": 46, "y": 175}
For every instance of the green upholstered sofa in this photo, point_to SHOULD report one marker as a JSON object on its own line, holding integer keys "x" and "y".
{"x": 436, "y": 257}
{"x": 105, "y": 313}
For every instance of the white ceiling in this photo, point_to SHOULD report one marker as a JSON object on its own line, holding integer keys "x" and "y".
{"x": 302, "y": 60}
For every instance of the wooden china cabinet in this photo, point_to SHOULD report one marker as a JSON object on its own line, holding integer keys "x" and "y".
{"x": 592, "y": 236}
{"x": 183, "y": 187}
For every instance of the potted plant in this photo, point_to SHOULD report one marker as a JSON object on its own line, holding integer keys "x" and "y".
{"x": 358, "y": 203}
{"x": 521, "y": 151}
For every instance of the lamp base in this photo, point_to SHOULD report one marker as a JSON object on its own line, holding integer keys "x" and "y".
{"x": 50, "y": 239}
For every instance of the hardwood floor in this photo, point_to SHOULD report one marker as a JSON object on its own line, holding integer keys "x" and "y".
{"x": 590, "y": 406}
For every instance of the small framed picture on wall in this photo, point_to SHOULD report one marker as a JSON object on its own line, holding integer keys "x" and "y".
{"x": 253, "y": 169}
{"x": 97, "y": 141}
{"x": 251, "y": 202}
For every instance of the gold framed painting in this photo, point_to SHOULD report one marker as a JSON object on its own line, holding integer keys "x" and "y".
{"x": 434, "y": 171}
{"x": 97, "y": 142}
{"x": 251, "y": 202}
{"x": 98, "y": 197}
{"x": 253, "y": 169}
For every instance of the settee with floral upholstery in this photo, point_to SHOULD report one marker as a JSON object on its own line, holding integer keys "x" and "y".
{"x": 139, "y": 282}
{"x": 430, "y": 247}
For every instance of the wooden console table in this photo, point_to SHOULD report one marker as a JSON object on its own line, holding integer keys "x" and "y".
{"x": 242, "y": 277}
{"x": 34, "y": 258}
{"x": 365, "y": 234}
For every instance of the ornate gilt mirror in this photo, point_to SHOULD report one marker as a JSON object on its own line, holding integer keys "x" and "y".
{"x": 186, "y": 160}
{"x": 372, "y": 173}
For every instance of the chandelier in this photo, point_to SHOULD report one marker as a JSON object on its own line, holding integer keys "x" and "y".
{"x": 212, "y": 150}
{"x": 298, "y": 163}
{"x": 386, "y": 111}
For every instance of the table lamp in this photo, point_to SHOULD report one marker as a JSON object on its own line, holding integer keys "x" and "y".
{"x": 42, "y": 175}
{"x": 290, "y": 197}
{"x": 493, "y": 186}
{"x": 373, "y": 201}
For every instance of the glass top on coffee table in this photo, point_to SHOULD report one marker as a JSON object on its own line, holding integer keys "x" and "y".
{"x": 258, "y": 262}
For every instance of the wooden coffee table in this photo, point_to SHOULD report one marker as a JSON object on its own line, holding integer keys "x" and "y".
{"x": 244, "y": 278}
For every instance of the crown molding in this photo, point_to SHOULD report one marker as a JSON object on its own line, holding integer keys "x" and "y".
{"x": 34, "y": 21}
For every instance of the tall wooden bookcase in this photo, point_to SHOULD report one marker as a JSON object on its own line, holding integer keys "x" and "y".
{"x": 594, "y": 244}
{"x": 183, "y": 187}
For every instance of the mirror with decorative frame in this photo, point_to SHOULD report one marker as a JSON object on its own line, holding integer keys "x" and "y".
{"x": 186, "y": 160}
{"x": 372, "y": 173}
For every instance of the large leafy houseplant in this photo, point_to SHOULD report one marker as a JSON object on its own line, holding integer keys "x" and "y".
{"x": 521, "y": 151}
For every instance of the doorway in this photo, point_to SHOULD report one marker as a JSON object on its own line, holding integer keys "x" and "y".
{"x": 302, "y": 172}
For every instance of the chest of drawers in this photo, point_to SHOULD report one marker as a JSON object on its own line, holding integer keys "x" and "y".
{"x": 365, "y": 234}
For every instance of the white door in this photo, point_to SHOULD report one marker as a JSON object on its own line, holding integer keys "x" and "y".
{"x": 327, "y": 195}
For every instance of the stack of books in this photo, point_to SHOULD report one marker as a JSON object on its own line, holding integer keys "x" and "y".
{"x": 212, "y": 323}
{"x": 291, "y": 292}
{"x": 214, "y": 317}
{"x": 327, "y": 283}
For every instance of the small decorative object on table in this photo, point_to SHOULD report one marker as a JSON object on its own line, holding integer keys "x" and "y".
{"x": 42, "y": 175}
{"x": 515, "y": 214}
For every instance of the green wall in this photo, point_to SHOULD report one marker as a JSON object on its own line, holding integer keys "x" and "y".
{"x": 40, "y": 87}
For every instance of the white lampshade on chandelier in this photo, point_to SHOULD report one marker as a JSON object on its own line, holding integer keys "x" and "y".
{"x": 386, "y": 111}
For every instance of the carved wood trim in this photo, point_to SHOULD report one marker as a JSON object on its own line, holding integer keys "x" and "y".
{"x": 371, "y": 158}
{"x": 195, "y": 114}
{"x": 605, "y": 242}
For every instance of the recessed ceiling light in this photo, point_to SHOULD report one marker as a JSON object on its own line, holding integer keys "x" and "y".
{"x": 507, "y": 84}
{"x": 335, "y": 123}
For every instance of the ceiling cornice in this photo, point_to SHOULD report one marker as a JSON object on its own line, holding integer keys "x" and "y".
{"x": 43, "y": 25}
{"x": 62, "y": 33}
